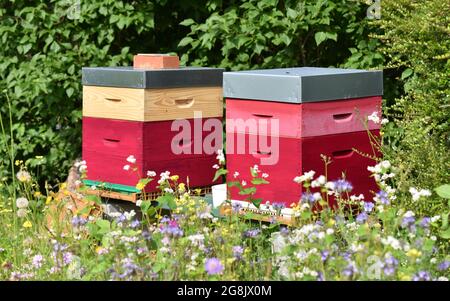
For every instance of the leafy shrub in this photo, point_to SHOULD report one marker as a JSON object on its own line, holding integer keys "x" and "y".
{"x": 416, "y": 43}
{"x": 274, "y": 34}
{"x": 44, "y": 46}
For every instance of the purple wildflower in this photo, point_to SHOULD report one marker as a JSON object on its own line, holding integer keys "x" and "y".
{"x": 320, "y": 277}
{"x": 308, "y": 198}
{"x": 135, "y": 224}
{"x": 146, "y": 235}
{"x": 252, "y": 233}
{"x": 121, "y": 218}
{"x": 278, "y": 206}
{"x": 37, "y": 261}
{"x": 78, "y": 221}
{"x": 324, "y": 255}
{"x": 284, "y": 230}
{"x": 425, "y": 222}
{"x": 383, "y": 197}
{"x": 422, "y": 276}
{"x": 67, "y": 258}
{"x": 238, "y": 251}
{"x": 129, "y": 268}
{"x": 236, "y": 207}
{"x": 213, "y": 266}
{"x": 171, "y": 228}
{"x": 362, "y": 217}
{"x": 390, "y": 264}
{"x": 368, "y": 206}
{"x": 350, "y": 270}
{"x": 342, "y": 185}
{"x": 444, "y": 265}
{"x": 408, "y": 222}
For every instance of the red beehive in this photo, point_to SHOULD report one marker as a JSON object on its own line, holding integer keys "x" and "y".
{"x": 306, "y": 112}
{"x": 107, "y": 143}
{"x": 133, "y": 110}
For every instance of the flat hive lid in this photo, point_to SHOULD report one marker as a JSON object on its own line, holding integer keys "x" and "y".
{"x": 129, "y": 77}
{"x": 303, "y": 84}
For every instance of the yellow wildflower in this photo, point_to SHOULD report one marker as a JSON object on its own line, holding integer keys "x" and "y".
{"x": 63, "y": 186}
{"x": 140, "y": 186}
{"x": 174, "y": 178}
{"x": 413, "y": 253}
{"x": 37, "y": 194}
{"x": 27, "y": 224}
{"x": 48, "y": 200}
{"x": 181, "y": 187}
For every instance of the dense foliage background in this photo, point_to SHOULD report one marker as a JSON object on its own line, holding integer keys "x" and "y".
{"x": 45, "y": 44}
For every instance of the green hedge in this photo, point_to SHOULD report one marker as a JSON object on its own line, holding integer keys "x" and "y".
{"x": 44, "y": 46}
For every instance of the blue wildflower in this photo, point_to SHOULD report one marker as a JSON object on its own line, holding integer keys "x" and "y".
{"x": 444, "y": 265}
{"x": 252, "y": 233}
{"x": 362, "y": 217}
{"x": 383, "y": 197}
{"x": 425, "y": 222}
{"x": 368, "y": 206}
{"x": 308, "y": 198}
{"x": 422, "y": 276}
{"x": 342, "y": 185}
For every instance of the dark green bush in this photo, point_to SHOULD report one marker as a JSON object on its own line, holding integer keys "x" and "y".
{"x": 44, "y": 46}
{"x": 272, "y": 34}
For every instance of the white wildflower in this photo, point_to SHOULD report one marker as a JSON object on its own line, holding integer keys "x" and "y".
{"x": 22, "y": 202}
{"x": 131, "y": 159}
{"x": 435, "y": 218}
{"x": 151, "y": 174}
{"x": 126, "y": 167}
{"x": 23, "y": 176}
{"x": 417, "y": 194}
{"x": 374, "y": 117}
{"x": 320, "y": 181}
{"x": 22, "y": 212}
{"x": 307, "y": 176}
{"x": 236, "y": 174}
{"x": 220, "y": 156}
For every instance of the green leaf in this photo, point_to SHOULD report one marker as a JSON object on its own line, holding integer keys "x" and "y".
{"x": 407, "y": 73}
{"x": 70, "y": 91}
{"x": 94, "y": 198}
{"x": 167, "y": 201}
{"x": 445, "y": 234}
{"x": 104, "y": 226}
{"x": 220, "y": 172}
{"x": 247, "y": 191}
{"x": 187, "y": 22}
{"x": 185, "y": 41}
{"x": 259, "y": 181}
{"x": 443, "y": 191}
{"x": 256, "y": 202}
{"x": 323, "y": 36}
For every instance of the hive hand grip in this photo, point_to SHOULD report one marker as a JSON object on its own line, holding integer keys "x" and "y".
{"x": 260, "y": 154}
{"x": 263, "y": 115}
{"x": 111, "y": 142}
{"x": 342, "y": 117}
{"x": 342, "y": 154}
{"x": 184, "y": 102}
{"x": 113, "y": 99}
